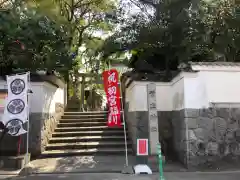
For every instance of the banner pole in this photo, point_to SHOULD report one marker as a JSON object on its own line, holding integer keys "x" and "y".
{"x": 124, "y": 125}
{"x": 27, "y": 146}
{"x": 19, "y": 145}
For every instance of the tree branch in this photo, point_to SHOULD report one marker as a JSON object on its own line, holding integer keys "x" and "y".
{"x": 80, "y": 4}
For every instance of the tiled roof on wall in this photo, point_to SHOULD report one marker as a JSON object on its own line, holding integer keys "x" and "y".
{"x": 199, "y": 66}
{"x": 215, "y": 63}
{"x": 156, "y": 77}
{"x": 52, "y": 79}
{"x": 184, "y": 67}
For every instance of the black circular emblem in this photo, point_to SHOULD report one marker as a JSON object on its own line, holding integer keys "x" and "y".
{"x": 14, "y": 126}
{"x": 16, "y": 106}
{"x": 17, "y": 86}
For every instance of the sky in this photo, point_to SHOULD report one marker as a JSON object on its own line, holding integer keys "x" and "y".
{"x": 132, "y": 7}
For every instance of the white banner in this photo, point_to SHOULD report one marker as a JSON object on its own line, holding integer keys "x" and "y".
{"x": 16, "y": 107}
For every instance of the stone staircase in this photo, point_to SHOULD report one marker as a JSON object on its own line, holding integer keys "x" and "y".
{"x": 86, "y": 133}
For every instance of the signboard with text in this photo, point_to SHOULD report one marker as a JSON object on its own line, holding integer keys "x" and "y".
{"x": 152, "y": 118}
{"x": 110, "y": 80}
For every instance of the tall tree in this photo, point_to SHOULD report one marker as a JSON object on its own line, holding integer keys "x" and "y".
{"x": 178, "y": 31}
{"x": 31, "y": 41}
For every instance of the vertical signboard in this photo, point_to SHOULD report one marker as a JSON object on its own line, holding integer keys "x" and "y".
{"x": 142, "y": 147}
{"x": 152, "y": 118}
{"x": 16, "y": 108}
{"x": 110, "y": 80}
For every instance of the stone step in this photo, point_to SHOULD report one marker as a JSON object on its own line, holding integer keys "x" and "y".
{"x": 80, "y": 124}
{"x": 85, "y": 139}
{"x": 88, "y": 128}
{"x": 91, "y": 152}
{"x": 87, "y": 116}
{"x": 83, "y": 120}
{"x": 73, "y": 109}
{"x": 86, "y": 145}
{"x": 86, "y": 113}
{"x": 89, "y": 133}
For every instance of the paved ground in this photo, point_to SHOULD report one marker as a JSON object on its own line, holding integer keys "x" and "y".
{"x": 6, "y": 174}
{"x": 80, "y": 164}
{"x": 85, "y": 164}
{"x": 116, "y": 176}
{"x": 111, "y": 164}
{"x": 88, "y": 168}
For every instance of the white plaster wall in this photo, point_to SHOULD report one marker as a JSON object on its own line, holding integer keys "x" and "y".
{"x": 222, "y": 87}
{"x": 44, "y": 96}
{"x": 140, "y": 96}
{"x": 177, "y": 91}
{"x": 36, "y": 98}
{"x": 127, "y": 95}
{"x": 136, "y": 96}
{"x": 212, "y": 87}
{"x": 52, "y": 95}
{"x": 130, "y": 97}
{"x": 194, "y": 90}
{"x": 164, "y": 96}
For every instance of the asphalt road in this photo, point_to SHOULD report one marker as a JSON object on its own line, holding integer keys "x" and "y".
{"x": 116, "y": 176}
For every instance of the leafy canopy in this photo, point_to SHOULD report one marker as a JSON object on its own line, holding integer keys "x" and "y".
{"x": 177, "y": 31}
{"x": 30, "y": 40}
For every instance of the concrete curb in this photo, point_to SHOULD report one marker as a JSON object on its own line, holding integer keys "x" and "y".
{"x": 30, "y": 170}
{"x": 128, "y": 170}
{"x": 26, "y": 171}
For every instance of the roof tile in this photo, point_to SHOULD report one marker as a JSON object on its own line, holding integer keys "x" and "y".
{"x": 215, "y": 63}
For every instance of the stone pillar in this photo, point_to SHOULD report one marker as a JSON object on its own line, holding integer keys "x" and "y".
{"x": 152, "y": 118}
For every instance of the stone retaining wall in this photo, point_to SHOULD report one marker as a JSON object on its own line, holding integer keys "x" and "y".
{"x": 50, "y": 125}
{"x": 137, "y": 123}
{"x": 41, "y": 126}
{"x": 213, "y": 135}
{"x": 179, "y": 136}
{"x": 200, "y": 136}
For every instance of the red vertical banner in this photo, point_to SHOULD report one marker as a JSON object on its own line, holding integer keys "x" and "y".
{"x": 110, "y": 80}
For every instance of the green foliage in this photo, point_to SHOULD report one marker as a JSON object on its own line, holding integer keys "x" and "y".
{"x": 51, "y": 32}
{"x": 41, "y": 42}
{"x": 178, "y": 31}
